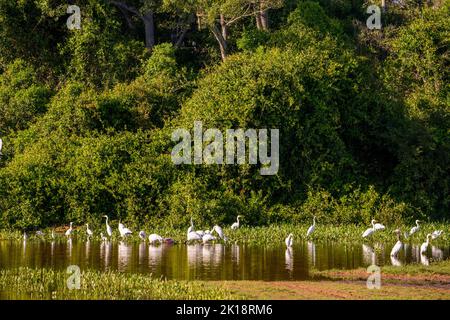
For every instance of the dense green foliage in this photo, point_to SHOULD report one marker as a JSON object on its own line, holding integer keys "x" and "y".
{"x": 86, "y": 115}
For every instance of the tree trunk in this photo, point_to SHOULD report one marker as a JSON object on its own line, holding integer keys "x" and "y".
{"x": 221, "y": 41}
{"x": 149, "y": 25}
{"x": 258, "y": 20}
{"x": 265, "y": 19}
{"x": 223, "y": 26}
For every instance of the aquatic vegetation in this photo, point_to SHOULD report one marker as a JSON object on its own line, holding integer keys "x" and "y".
{"x": 27, "y": 283}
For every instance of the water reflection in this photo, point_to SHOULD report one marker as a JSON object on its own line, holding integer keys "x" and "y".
{"x": 209, "y": 261}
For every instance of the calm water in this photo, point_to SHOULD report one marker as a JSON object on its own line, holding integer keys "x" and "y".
{"x": 208, "y": 262}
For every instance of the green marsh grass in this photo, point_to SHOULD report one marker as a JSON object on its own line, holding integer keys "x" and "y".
{"x": 37, "y": 284}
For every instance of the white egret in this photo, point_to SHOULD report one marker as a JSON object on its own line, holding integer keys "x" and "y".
{"x": 312, "y": 227}
{"x": 424, "y": 246}
{"x": 436, "y": 234}
{"x": 289, "y": 240}
{"x": 370, "y": 231}
{"x": 39, "y": 233}
{"x": 398, "y": 246}
{"x": 219, "y": 231}
{"x": 102, "y": 236}
{"x": 208, "y": 237}
{"x": 154, "y": 238}
{"x": 1, "y": 146}
{"x": 414, "y": 229}
{"x": 69, "y": 231}
{"x": 108, "y": 227}
{"x": 193, "y": 236}
{"x": 25, "y": 236}
{"x": 191, "y": 228}
{"x": 142, "y": 235}
{"x": 89, "y": 232}
{"x": 235, "y": 225}
{"x": 379, "y": 226}
{"x": 124, "y": 231}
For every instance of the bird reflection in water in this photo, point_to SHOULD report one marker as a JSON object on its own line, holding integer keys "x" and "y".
{"x": 194, "y": 253}
{"x": 235, "y": 250}
{"x": 289, "y": 259}
{"x": 312, "y": 252}
{"x": 368, "y": 255}
{"x": 142, "y": 252}
{"x": 124, "y": 255}
{"x": 155, "y": 255}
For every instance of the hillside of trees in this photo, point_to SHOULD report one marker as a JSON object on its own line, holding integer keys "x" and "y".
{"x": 86, "y": 115}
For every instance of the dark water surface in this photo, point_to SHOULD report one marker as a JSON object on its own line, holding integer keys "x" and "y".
{"x": 208, "y": 262}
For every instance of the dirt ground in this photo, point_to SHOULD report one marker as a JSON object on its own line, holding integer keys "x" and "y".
{"x": 346, "y": 285}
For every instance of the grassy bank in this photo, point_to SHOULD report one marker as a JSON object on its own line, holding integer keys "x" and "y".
{"x": 410, "y": 282}
{"x": 274, "y": 234}
{"x": 26, "y": 283}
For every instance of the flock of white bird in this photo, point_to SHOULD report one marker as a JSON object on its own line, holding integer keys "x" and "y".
{"x": 204, "y": 236}
{"x": 207, "y": 236}
{"x": 379, "y": 227}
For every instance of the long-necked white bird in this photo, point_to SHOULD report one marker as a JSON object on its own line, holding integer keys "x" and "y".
{"x": 193, "y": 236}
{"x": 108, "y": 227}
{"x": 155, "y": 238}
{"x": 379, "y": 226}
{"x": 89, "y": 232}
{"x": 398, "y": 246}
{"x": 69, "y": 231}
{"x": 424, "y": 246}
{"x": 219, "y": 231}
{"x": 414, "y": 229}
{"x": 289, "y": 241}
{"x": 1, "y": 146}
{"x": 370, "y": 231}
{"x": 235, "y": 225}
{"x": 124, "y": 231}
{"x": 142, "y": 235}
{"x": 312, "y": 227}
{"x": 207, "y": 237}
{"x": 25, "y": 236}
{"x": 436, "y": 234}
{"x": 102, "y": 236}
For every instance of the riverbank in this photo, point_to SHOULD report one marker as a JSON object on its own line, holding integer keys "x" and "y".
{"x": 274, "y": 234}
{"x": 416, "y": 282}
{"x": 409, "y": 282}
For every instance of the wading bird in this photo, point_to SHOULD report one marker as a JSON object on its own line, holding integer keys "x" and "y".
{"x": 219, "y": 231}
{"x": 1, "y": 146}
{"x": 289, "y": 240}
{"x": 398, "y": 246}
{"x": 370, "y": 231}
{"x": 436, "y": 234}
{"x": 124, "y": 231}
{"x": 25, "y": 236}
{"x": 53, "y": 234}
{"x": 235, "y": 225}
{"x": 89, "y": 232}
{"x": 414, "y": 229}
{"x": 193, "y": 236}
{"x": 207, "y": 237}
{"x": 69, "y": 231}
{"x": 108, "y": 227}
{"x": 424, "y": 246}
{"x": 142, "y": 235}
{"x": 379, "y": 226}
{"x": 102, "y": 236}
{"x": 155, "y": 238}
{"x": 312, "y": 227}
